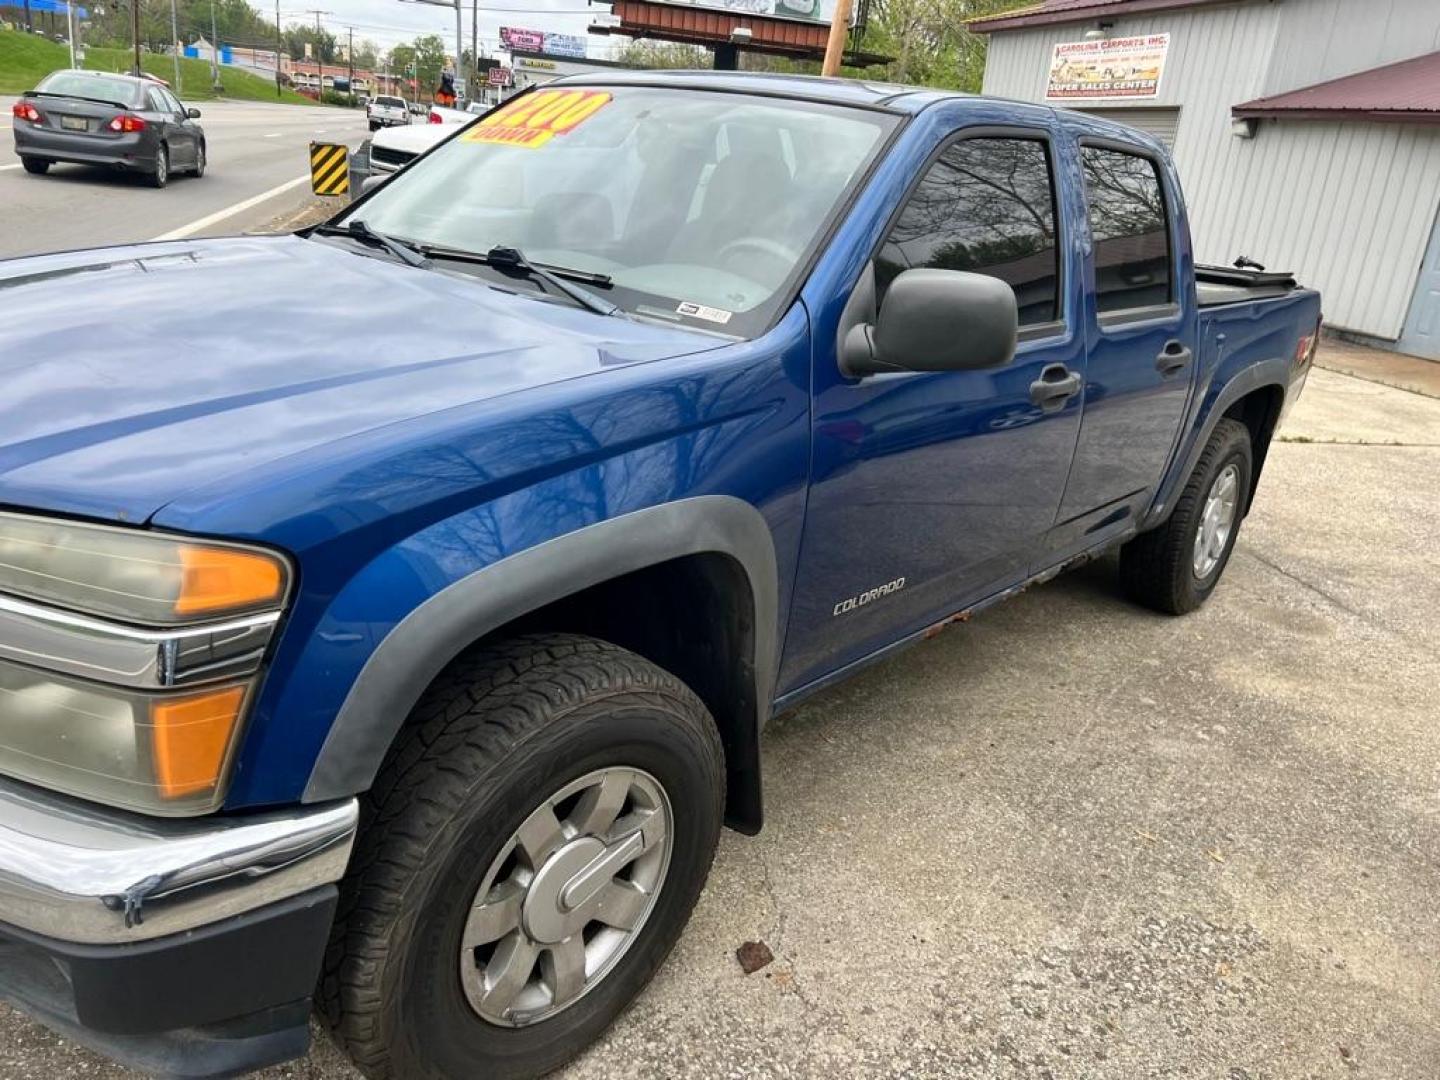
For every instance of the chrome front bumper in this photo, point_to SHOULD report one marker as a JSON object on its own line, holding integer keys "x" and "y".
{"x": 81, "y": 873}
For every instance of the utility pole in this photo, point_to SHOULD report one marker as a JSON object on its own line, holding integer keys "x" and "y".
{"x": 175, "y": 44}
{"x": 279, "y": 47}
{"x": 350, "y": 56}
{"x": 214, "y": 51}
{"x": 474, "y": 47}
{"x": 835, "y": 46}
{"x": 70, "y": 29}
{"x": 135, "y": 32}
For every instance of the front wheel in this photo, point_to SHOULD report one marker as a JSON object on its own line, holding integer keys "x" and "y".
{"x": 199, "y": 169}
{"x": 1174, "y": 568}
{"x": 531, "y": 851}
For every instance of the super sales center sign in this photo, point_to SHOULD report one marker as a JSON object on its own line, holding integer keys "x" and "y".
{"x": 1107, "y": 68}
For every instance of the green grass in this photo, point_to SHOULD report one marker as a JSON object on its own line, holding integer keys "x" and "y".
{"x": 25, "y": 59}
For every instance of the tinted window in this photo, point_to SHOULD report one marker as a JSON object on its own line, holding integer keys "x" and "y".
{"x": 1127, "y": 224}
{"x": 987, "y": 206}
{"x": 100, "y": 87}
{"x": 156, "y": 101}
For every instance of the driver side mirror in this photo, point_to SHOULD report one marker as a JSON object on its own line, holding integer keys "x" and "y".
{"x": 193, "y": 114}
{"x": 932, "y": 320}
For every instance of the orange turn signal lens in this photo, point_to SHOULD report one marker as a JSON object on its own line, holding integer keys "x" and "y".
{"x": 222, "y": 579}
{"x": 190, "y": 737}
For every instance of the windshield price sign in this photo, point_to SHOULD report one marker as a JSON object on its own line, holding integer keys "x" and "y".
{"x": 535, "y": 119}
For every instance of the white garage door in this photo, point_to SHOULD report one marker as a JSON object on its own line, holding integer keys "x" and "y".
{"x": 1158, "y": 122}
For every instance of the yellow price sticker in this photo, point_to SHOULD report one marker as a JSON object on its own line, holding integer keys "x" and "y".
{"x": 535, "y": 119}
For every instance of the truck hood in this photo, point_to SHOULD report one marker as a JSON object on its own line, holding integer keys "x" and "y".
{"x": 413, "y": 138}
{"x": 133, "y": 374}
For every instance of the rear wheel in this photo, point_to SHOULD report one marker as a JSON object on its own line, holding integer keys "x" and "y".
{"x": 161, "y": 174}
{"x": 530, "y": 852}
{"x": 37, "y": 166}
{"x": 1174, "y": 568}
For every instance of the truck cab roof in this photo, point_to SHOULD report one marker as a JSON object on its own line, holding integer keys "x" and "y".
{"x": 890, "y": 97}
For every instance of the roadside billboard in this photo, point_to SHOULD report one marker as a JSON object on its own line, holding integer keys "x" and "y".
{"x": 542, "y": 41}
{"x": 1111, "y": 68}
{"x": 810, "y": 11}
{"x": 513, "y": 37}
{"x": 570, "y": 45}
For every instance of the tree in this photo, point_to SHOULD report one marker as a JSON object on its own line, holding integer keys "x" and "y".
{"x": 367, "y": 54}
{"x": 671, "y": 55}
{"x": 323, "y": 46}
{"x": 429, "y": 60}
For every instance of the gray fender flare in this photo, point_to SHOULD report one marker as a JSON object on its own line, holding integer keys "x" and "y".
{"x": 434, "y": 633}
{"x": 1255, "y": 377}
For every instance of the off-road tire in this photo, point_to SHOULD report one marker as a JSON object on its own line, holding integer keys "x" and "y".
{"x": 1156, "y": 568}
{"x": 495, "y": 733}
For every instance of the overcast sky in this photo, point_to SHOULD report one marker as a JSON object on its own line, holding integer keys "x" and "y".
{"x": 389, "y": 22}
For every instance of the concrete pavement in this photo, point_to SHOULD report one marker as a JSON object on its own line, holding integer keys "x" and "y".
{"x": 1073, "y": 839}
{"x": 258, "y": 168}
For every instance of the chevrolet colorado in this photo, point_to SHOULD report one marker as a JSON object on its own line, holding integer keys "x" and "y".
{"x": 390, "y": 616}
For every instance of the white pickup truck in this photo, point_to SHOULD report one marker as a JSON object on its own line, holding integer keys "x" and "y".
{"x": 387, "y": 111}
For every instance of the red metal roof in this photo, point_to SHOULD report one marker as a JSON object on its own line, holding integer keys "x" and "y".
{"x": 1050, "y": 12}
{"x": 1407, "y": 92}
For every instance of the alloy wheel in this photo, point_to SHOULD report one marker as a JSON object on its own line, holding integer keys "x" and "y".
{"x": 566, "y": 897}
{"x": 1217, "y": 521}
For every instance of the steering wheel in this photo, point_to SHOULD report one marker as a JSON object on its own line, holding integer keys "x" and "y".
{"x": 762, "y": 244}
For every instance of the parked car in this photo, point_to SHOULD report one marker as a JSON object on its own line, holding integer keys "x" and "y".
{"x": 440, "y": 114}
{"x": 396, "y": 147}
{"x": 96, "y": 118}
{"x": 387, "y": 111}
{"x": 417, "y": 662}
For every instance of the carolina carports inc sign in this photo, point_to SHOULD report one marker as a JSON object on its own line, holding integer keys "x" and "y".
{"x": 1128, "y": 67}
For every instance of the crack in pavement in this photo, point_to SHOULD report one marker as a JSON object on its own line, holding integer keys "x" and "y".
{"x": 1316, "y": 589}
{"x": 1305, "y": 440}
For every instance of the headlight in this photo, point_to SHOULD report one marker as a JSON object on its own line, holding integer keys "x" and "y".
{"x": 146, "y": 578}
{"x": 128, "y": 659}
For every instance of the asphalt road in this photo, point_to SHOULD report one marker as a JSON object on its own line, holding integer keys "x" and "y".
{"x": 258, "y": 170}
{"x": 1072, "y": 839}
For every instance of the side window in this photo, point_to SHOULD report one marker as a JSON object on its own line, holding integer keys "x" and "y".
{"x": 155, "y": 101}
{"x": 172, "y": 102}
{"x": 987, "y": 205}
{"x": 1127, "y": 225}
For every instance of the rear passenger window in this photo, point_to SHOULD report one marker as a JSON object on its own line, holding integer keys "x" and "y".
{"x": 1127, "y": 226}
{"x": 986, "y": 206}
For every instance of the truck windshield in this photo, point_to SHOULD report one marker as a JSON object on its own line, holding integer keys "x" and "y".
{"x": 698, "y": 207}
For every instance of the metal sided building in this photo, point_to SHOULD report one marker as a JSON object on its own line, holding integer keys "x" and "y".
{"x": 1306, "y": 132}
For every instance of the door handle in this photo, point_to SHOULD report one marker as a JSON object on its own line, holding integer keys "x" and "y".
{"x": 1172, "y": 358}
{"x": 1057, "y": 384}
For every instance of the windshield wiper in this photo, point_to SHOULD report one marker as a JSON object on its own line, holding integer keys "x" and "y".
{"x": 358, "y": 230}
{"x": 509, "y": 258}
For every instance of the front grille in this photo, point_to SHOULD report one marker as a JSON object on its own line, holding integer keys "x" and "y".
{"x": 390, "y": 159}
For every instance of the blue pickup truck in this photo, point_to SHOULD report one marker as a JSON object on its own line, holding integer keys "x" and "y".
{"x": 390, "y": 613}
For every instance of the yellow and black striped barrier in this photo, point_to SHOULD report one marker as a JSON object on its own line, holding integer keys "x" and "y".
{"x": 329, "y": 168}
